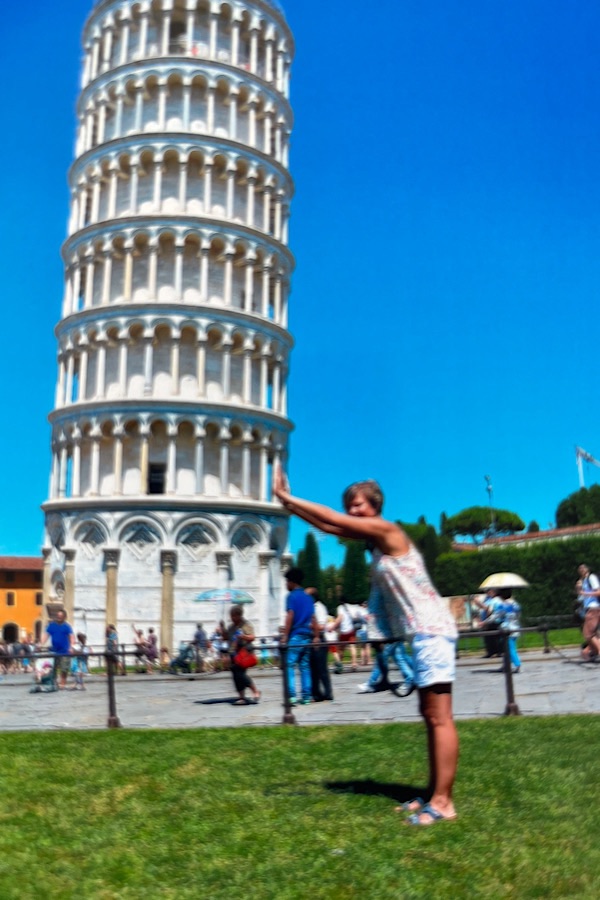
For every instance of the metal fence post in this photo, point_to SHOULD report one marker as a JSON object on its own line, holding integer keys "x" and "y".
{"x": 512, "y": 708}
{"x": 113, "y": 719}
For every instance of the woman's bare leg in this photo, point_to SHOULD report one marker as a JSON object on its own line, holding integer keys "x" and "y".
{"x": 442, "y": 742}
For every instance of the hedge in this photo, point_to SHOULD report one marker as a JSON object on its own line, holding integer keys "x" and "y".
{"x": 549, "y": 567}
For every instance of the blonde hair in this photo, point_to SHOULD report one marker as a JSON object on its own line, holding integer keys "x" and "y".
{"x": 371, "y": 491}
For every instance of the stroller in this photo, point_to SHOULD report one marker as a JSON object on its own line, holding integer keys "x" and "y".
{"x": 44, "y": 678}
{"x": 183, "y": 660}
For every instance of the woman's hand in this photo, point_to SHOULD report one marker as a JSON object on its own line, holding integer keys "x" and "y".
{"x": 281, "y": 486}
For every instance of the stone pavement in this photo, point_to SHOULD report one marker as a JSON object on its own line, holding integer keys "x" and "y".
{"x": 547, "y": 685}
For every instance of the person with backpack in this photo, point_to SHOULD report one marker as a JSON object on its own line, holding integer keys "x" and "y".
{"x": 590, "y": 592}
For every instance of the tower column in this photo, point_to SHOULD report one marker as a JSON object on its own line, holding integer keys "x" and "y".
{"x": 111, "y": 566}
{"x": 69, "y": 598}
{"x": 168, "y": 559}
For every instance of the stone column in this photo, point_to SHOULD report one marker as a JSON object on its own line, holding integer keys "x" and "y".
{"x": 171, "y": 460}
{"x": 69, "y": 599}
{"x": 264, "y": 561}
{"x": 123, "y": 357}
{"x": 247, "y": 441}
{"x": 201, "y": 365}
{"x": 144, "y": 439}
{"x": 224, "y": 438}
{"x": 230, "y": 195}
{"x": 247, "y": 369}
{"x": 233, "y": 113}
{"x": 76, "y": 476}
{"x": 168, "y": 560}
{"x": 204, "y": 260}
{"x": 250, "y": 262}
{"x": 148, "y": 363}
{"x": 210, "y": 109}
{"x": 187, "y": 99}
{"x": 111, "y": 566}
{"x": 235, "y": 42}
{"x": 200, "y": 434}
{"x": 106, "y": 277}
{"x": 46, "y": 585}
{"x": 183, "y": 170}
{"x": 83, "y": 368}
{"x": 118, "y": 437}
{"x": 207, "y": 186}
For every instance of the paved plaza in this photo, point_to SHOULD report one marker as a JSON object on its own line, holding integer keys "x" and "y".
{"x": 547, "y": 685}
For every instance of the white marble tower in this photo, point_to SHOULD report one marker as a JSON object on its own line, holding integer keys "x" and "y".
{"x": 173, "y": 347}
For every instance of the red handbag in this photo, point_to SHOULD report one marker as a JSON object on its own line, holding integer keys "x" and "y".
{"x": 245, "y": 658}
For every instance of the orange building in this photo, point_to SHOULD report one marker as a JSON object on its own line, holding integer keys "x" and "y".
{"x": 21, "y": 597}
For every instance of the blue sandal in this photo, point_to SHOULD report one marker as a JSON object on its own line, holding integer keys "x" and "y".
{"x": 428, "y": 810}
{"x": 412, "y": 806}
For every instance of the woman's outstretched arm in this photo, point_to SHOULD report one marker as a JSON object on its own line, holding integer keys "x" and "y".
{"x": 329, "y": 520}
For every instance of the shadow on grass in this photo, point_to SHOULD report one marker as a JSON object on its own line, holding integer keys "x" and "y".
{"x": 400, "y": 793}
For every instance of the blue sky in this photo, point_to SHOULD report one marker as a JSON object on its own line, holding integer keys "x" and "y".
{"x": 446, "y": 230}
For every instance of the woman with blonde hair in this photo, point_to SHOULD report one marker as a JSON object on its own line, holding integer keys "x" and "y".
{"x": 405, "y": 605}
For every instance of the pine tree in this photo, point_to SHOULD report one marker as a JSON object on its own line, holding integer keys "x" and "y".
{"x": 311, "y": 563}
{"x": 355, "y": 578}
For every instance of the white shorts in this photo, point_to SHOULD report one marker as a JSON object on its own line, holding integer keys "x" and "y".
{"x": 434, "y": 659}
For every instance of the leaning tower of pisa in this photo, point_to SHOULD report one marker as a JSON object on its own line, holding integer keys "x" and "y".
{"x": 173, "y": 346}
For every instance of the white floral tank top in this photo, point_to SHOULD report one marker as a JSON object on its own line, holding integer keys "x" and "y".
{"x": 403, "y": 599}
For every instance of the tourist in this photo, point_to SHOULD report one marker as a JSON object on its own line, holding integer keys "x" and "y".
{"x": 79, "y": 665}
{"x": 61, "y": 637}
{"x": 404, "y": 603}
{"x": 319, "y": 670}
{"x": 240, "y": 634}
{"x": 509, "y": 621}
{"x": 299, "y": 630}
{"x": 590, "y": 592}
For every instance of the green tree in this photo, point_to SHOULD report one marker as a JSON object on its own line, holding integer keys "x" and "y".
{"x": 355, "y": 574}
{"x": 476, "y": 522}
{"x": 311, "y": 563}
{"x": 580, "y": 508}
{"x": 331, "y": 577}
{"x": 427, "y": 541}
{"x": 533, "y": 527}
{"x": 550, "y": 567}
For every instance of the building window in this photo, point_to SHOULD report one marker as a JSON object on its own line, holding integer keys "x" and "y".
{"x": 9, "y": 576}
{"x": 156, "y": 478}
{"x": 10, "y": 598}
{"x": 39, "y": 598}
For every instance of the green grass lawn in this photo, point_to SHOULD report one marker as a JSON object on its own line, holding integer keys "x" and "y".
{"x": 528, "y": 640}
{"x": 298, "y": 813}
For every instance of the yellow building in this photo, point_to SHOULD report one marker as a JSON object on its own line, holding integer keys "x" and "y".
{"x": 21, "y": 597}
